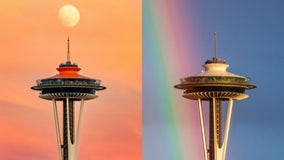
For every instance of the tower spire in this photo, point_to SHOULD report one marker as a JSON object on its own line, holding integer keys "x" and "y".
{"x": 68, "y": 49}
{"x": 215, "y": 46}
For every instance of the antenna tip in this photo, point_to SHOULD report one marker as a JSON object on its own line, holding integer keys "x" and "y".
{"x": 215, "y": 46}
{"x": 68, "y": 49}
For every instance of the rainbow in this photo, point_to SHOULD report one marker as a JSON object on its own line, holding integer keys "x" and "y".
{"x": 170, "y": 122}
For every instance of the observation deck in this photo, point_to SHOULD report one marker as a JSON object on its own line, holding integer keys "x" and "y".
{"x": 215, "y": 81}
{"x": 68, "y": 83}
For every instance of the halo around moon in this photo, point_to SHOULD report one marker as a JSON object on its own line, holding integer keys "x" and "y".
{"x": 69, "y": 15}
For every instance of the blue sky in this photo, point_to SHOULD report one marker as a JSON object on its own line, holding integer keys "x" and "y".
{"x": 251, "y": 40}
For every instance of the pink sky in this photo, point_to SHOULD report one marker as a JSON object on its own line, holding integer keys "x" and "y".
{"x": 106, "y": 44}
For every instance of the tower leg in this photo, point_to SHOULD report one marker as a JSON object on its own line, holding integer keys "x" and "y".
{"x": 217, "y": 146}
{"x": 203, "y": 130}
{"x": 227, "y": 126}
{"x": 79, "y": 125}
{"x": 68, "y": 126}
{"x": 215, "y": 127}
{"x": 70, "y": 143}
{"x": 57, "y": 129}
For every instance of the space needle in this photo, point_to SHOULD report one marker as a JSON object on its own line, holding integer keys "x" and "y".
{"x": 68, "y": 86}
{"x": 215, "y": 85}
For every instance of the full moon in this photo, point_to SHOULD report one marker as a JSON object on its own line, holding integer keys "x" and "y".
{"x": 69, "y": 15}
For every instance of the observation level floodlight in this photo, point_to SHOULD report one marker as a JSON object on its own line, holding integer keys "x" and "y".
{"x": 215, "y": 85}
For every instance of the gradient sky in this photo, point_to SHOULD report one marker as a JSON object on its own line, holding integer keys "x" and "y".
{"x": 106, "y": 44}
{"x": 177, "y": 40}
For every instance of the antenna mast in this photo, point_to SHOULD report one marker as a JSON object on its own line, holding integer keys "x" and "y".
{"x": 215, "y": 46}
{"x": 68, "y": 50}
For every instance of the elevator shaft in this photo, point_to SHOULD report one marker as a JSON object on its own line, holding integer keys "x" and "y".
{"x": 217, "y": 123}
{"x": 65, "y": 145}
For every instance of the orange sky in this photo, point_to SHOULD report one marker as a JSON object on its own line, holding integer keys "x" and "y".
{"x": 106, "y": 44}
